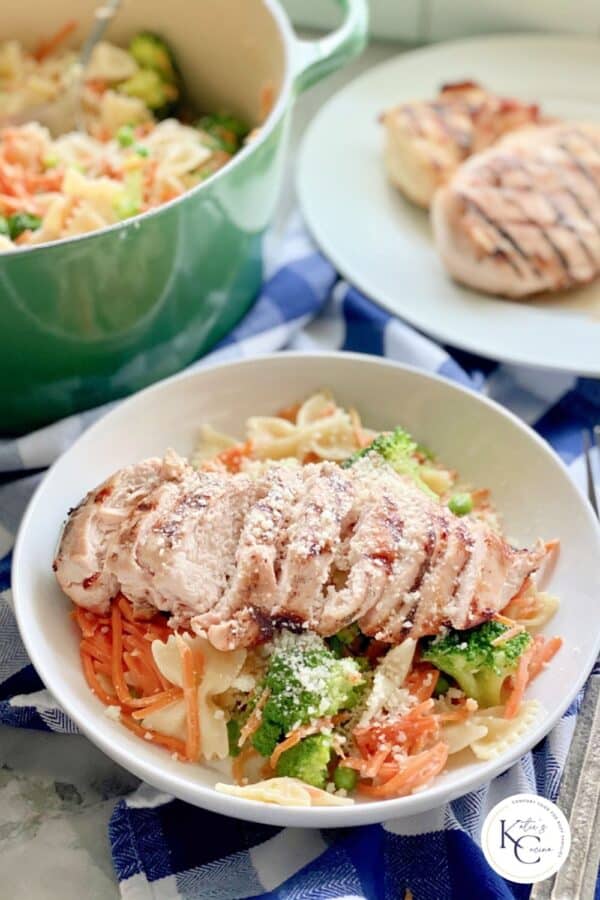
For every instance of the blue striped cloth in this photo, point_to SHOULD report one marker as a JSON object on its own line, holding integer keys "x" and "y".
{"x": 164, "y": 849}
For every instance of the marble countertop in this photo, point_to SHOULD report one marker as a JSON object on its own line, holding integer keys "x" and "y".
{"x": 57, "y": 791}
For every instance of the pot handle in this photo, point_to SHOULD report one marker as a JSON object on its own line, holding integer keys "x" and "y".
{"x": 316, "y": 59}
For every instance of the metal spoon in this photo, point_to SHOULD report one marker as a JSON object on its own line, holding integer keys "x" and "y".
{"x": 65, "y": 113}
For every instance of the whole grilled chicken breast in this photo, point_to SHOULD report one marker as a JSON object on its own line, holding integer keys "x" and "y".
{"x": 426, "y": 141}
{"x": 524, "y": 216}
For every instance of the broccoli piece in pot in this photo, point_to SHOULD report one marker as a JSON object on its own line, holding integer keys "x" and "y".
{"x": 151, "y": 52}
{"x": 147, "y": 85}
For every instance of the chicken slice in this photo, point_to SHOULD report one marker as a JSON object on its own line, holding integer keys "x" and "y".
{"x": 262, "y": 543}
{"x": 91, "y": 527}
{"x": 177, "y": 551}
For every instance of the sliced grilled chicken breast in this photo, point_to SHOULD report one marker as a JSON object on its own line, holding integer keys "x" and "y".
{"x": 80, "y": 564}
{"x": 524, "y": 217}
{"x": 426, "y": 141}
{"x": 317, "y": 547}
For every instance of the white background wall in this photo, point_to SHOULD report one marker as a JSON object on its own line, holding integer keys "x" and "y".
{"x": 434, "y": 20}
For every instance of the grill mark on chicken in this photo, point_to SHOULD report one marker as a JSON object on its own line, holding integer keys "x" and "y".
{"x": 462, "y": 138}
{"x": 560, "y": 218}
{"x": 587, "y": 138}
{"x": 579, "y": 165}
{"x": 504, "y": 234}
{"x": 558, "y": 254}
{"x": 563, "y": 221}
{"x": 360, "y": 544}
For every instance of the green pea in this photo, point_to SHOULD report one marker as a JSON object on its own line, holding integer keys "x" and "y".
{"x": 345, "y": 778}
{"x": 125, "y": 136}
{"x": 441, "y": 686}
{"x": 141, "y": 150}
{"x": 461, "y": 504}
{"x": 4, "y": 229}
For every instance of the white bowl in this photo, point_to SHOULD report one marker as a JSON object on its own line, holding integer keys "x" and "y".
{"x": 490, "y": 447}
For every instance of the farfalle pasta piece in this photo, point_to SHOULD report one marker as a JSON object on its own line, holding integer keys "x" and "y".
{"x": 209, "y": 444}
{"x": 502, "y": 732}
{"x": 219, "y": 672}
{"x": 321, "y": 428}
{"x": 284, "y": 792}
{"x": 110, "y": 64}
{"x": 459, "y": 735}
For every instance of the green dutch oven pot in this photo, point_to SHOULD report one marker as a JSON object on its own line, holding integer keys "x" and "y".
{"x": 89, "y": 319}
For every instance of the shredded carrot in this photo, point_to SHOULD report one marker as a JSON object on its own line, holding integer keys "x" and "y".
{"x": 166, "y": 698}
{"x": 531, "y": 664}
{"x": 311, "y": 457}
{"x": 252, "y": 723}
{"x": 140, "y": 675}
{"x": 233, "y": 457}
{"x": 47, "y": 47}
{"x": 294, "y": 737}
{"x": 543, "y": 651}
{"x": 190, "y": 696}
{"x": 118, "y": 677}
{"x": 88, "y": 622}
{"x": 96, "y": 649}
{"x": 164, "y": 740}
{"x": 511, "y": 632}
{"x": 504, "y": 620}
{"x": 239, "y": 762}
{"x": 421, "y": 680}
{"x": 92, "y": 679}
{"x": 519, "y": 683}
{"x": 97, "y": 85}
{"x": 290, "y": 413}
{"x": 414, "y": 772}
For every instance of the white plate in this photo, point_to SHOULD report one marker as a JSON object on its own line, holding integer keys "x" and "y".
{"x": 491, "y": 447}
{"x": 383, "y": 245}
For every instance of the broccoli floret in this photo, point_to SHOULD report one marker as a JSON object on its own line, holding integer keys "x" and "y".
{"x": 305, "y": 681}
{"x": 20, "y": 222}
{"x": 267, "y": 736}
{"x": 398, "y": 449}
{"x": 344, "y": 778}
{"x": 477, "y": 665}
{"x": 224, "y": 132}
{"x": 151, "y": 52}
{"x": 148, "y": 86}
{"x": 308, "y": 760}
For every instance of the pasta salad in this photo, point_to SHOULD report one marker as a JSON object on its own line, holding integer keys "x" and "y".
{"x": 311, "y": 703}
{"x": 141, "y": 147}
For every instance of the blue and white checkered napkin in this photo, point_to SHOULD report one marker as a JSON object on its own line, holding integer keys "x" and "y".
{"x": 163, "y": 848}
